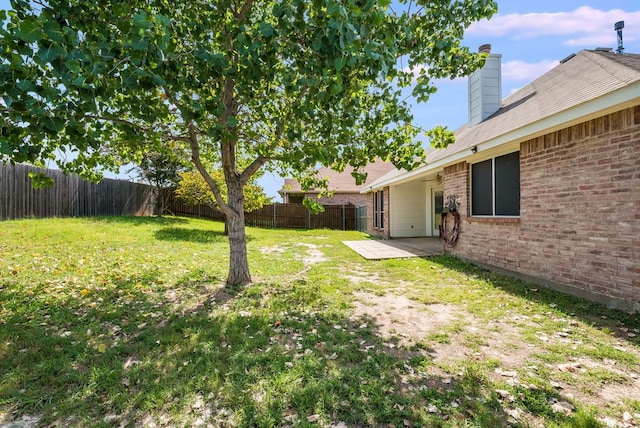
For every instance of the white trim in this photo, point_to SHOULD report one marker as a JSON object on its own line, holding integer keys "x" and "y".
{"x": 620, "y": 99}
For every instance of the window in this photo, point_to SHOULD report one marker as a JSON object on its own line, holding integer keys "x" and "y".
{"x": 495, "y": 186}
{"x": 378, "y": 209}
{"x": 296, "y": 199}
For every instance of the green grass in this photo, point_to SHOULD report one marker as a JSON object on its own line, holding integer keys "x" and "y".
{"x": 126, "y": 322}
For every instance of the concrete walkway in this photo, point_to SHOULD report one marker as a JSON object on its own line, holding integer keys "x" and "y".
{"x": 373, "y": 249}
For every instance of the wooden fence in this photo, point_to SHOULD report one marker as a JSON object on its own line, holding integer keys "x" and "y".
{"x": 281, "y": 216}
{"x": 70, "y": 196}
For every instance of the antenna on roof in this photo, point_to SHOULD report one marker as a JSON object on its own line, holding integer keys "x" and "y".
{"x": 618, "y": 27}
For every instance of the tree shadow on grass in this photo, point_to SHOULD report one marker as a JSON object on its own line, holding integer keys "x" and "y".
{"x": 141, "y": 221}
{"x": 618, "y": 322}
{"x": 199, "y": 236}
{"x": 265, "y": 355}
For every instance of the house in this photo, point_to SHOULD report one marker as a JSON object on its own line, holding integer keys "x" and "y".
{"x": 547, "y": 182}
{"x": 345, "y": 189}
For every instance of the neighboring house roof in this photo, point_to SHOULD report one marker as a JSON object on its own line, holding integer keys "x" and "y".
{"x": 581, "y": 86}
{"x": 340, "y": 182}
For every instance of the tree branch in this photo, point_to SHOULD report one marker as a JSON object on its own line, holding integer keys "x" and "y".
{"x": 114, "y": 119}
{"x": 246, "y": 7}
{"x": 252, "y": 169}
{"x": 195, "y": 158}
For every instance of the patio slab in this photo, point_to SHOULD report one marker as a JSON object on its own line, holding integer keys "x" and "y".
{"x": 372, "y": 249}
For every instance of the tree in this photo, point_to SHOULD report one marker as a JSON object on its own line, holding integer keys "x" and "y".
{"x": 162, "y": 168}
{"x": 193, "y": 189}
{"x": 290, "y": 84}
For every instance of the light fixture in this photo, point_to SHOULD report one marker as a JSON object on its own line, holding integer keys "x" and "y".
{"x": 474, "y": 149}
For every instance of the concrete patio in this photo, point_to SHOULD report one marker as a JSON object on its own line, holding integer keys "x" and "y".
{"x": 373, "y": 249}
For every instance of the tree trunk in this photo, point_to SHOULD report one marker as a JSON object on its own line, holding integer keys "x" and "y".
{"x": 238, "y": 261}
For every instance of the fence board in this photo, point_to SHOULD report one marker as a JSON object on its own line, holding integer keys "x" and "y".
{"x": 70, "y": 196}
{"x": 293, "y": 216}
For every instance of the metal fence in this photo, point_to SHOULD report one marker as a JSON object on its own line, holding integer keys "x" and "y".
{"x": 361, "y": 218}
{"x": 70, "y": 196}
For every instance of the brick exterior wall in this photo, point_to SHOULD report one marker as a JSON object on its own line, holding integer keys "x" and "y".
{"x": 384, "y": 233}
{"x": 337, "y": 199}
{"x": 343, "y": 199}
{"x": 579, "y": 225}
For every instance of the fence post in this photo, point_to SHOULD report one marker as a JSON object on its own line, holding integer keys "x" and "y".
{"x": 309, "y": 218}
{"x": 275, "y": 222}
{"x": 344, "y": 218}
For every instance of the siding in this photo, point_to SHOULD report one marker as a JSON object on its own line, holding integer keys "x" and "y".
{"x": 408, "y": 205}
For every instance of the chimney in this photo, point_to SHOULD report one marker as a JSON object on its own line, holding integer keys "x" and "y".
{"x": 485, "y": 87}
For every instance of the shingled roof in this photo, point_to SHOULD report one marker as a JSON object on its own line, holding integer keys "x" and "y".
{"x": 341, "y": 182}
{"x": 580, "y": 79}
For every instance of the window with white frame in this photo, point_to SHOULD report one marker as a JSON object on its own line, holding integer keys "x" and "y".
{"x": 378, "y": 209}
{"x": 495, "y": 186}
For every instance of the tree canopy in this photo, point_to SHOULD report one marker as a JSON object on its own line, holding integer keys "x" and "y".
{"x": 288, "y": 84}
{"x": 192, "y": 189}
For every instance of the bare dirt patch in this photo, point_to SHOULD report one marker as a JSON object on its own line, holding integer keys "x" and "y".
{"x": 310, "y": 256}
{"x": 358, "y": 275}
{"x": 395, "y": 315}
{"x": 449, "y": 334}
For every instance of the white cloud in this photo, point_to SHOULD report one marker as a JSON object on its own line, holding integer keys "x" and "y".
{"x": 583, "y": 26}
{"x": 512, "y": 71}
{"x": 518, "y": 70}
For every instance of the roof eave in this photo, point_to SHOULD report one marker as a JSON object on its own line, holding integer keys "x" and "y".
{"x": 608, "y": 103}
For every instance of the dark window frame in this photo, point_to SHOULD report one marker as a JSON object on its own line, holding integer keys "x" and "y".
{"x": 495, "y": 186}
{"x": 378, "y": 210}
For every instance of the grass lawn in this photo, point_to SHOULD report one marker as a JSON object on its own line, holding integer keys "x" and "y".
{"x": 125, "y": 322}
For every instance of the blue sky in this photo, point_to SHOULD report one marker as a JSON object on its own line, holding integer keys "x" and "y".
{"x": 532, "y": 37}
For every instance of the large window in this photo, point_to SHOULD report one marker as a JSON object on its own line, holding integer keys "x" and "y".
{"x": 378, "y": 209}
{"x": 495, "y": 186}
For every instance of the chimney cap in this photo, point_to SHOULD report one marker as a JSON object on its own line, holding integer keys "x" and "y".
{"x": 486, "y": 48}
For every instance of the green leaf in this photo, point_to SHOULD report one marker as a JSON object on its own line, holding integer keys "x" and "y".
{"x": 54, "y": 124}
{"x": 48, "y": 54}
{"x": 73, "y": 65}
{"x": 141, "y": 20}
{"x": 40, "y": 180}
{"x": 30, "y": 30}
{"x": 138, "y": 42}
{"x": 16, "y": 59}
{"x": 313, "y": 206}
{"x": 5, "y": 148}
{"x": 26, "y": 85}
{"x": 440, "y": 137}
{"x": 339, "y": 63}
{"x": 266, "y": 29}
{"x": 232, "y": 121}
{"x": 53, "y": 31}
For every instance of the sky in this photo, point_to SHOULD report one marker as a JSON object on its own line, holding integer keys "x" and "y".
{"x": 532, "y": 36}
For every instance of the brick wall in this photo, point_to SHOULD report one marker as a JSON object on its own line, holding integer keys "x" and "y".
{"x": 579, "y": 225}
{"x": 385, "y": 232}
{"x": 344, "y": 199}
{"x": 337, "y": 199}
